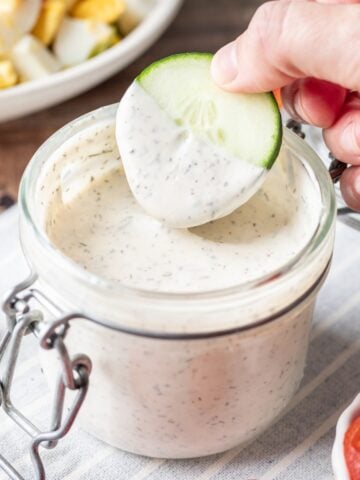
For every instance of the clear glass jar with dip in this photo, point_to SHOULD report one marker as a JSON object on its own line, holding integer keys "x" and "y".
{"x": 179, "y": 375}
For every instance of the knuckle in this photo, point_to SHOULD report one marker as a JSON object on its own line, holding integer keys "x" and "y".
{"x": 269, "y": 29}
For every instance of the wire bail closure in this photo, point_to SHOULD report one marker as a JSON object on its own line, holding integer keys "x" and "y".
{"x": 74, "y": 373}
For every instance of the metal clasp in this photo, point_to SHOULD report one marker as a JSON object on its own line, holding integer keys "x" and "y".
{"x": 74, "y": 373}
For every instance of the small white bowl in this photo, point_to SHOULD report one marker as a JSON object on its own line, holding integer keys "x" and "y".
{"x": 344, "y": 422}
{"x": 35, "y": 95}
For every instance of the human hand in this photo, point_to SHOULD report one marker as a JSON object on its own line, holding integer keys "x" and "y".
{"x": 312, "y": 50}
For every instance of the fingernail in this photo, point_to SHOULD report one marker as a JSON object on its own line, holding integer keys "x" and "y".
{"x": 298, "y": 107}
{"x": 350, "y": 139}
{"x": 291, "y": 98}
{"x": 224, "y": 66}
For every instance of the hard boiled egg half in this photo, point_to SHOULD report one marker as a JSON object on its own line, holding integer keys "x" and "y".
{"x": 17, "y": 18}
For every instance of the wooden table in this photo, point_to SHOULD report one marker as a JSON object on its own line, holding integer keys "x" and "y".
{"x": 202, "y": 25}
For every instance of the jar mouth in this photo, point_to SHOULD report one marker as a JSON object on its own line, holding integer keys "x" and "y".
{"x": 297, "y": 146}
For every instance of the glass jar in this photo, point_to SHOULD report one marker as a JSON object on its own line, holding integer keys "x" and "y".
{"x": 175, "y": 375}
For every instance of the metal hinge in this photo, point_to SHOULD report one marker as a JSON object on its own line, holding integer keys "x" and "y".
{"x": 74, "y": 373}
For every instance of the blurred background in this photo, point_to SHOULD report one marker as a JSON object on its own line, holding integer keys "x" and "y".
{"x": 201, "y": 25}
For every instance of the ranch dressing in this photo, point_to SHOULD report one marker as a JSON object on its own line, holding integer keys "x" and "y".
{"x": 180, "y": 177}
{"x": 96, "y": 221}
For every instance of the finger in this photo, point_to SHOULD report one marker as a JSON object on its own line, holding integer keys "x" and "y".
{"x": 350, "y": 187}
{"x": 343, "y": 138}
{"x": 287, "y": 41}
{"x": 314, "y": 101}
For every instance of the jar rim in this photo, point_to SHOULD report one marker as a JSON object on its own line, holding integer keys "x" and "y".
{"x": 293, "y": 142}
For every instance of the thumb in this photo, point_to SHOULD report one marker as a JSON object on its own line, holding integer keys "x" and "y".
{"x": 286, "y": 41}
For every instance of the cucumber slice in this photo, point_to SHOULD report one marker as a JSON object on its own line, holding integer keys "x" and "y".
{"x": 248, "y": 126}
{"x": 191, "y": 151}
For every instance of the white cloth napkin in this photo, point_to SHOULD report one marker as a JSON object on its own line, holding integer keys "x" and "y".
{"x": 296, "y": 447}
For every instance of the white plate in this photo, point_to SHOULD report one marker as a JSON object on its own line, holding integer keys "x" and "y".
{"x": 38, "y": 94}
{"x": 344, "y": 422}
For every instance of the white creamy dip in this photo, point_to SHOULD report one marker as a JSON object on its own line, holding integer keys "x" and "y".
{"x": 180, "y": 177}
{"x": 97, "y": 222}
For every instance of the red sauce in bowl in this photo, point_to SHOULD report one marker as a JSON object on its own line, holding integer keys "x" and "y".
{"x": 352, "y": 449}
